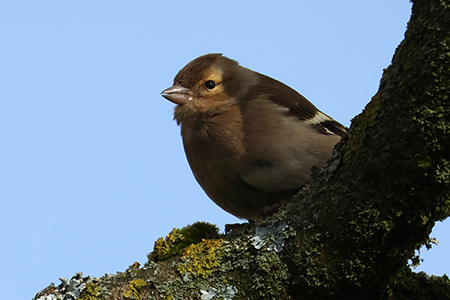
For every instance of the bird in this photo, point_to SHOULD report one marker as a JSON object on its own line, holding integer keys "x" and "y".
{"x": 250, "y": 140}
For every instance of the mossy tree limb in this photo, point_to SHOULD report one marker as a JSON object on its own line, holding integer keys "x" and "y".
{"x": 393, "y": 183}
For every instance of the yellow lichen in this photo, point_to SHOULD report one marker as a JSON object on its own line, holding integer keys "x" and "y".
{"x": 178, "y": 239}
{"x": 134, "y": 288}
{"x": 163, "y": 247}
{"x": 90, "y": 292}
{"x": 134, "y": 266}
{"x": 200, "y": 259}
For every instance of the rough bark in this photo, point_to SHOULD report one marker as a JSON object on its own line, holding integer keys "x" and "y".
{"x": 352, "y": 234}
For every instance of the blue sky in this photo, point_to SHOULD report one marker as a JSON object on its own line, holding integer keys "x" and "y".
{"x": 92, "y": 166}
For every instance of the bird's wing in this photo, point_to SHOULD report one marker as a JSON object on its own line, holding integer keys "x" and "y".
{"x": 299, "y": 106}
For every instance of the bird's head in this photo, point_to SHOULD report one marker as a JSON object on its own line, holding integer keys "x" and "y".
{"x": 208, "y": 83}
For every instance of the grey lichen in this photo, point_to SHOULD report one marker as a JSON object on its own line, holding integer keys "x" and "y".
{"x": 69, "y": 289}
{"x": 271, "y": 236}
{"x": 226, "y": 293}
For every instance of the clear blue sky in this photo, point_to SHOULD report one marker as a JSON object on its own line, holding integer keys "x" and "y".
{"x": 92, "y": 169}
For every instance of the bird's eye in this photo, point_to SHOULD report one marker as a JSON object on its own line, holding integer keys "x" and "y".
{"x": 210, "y": 84}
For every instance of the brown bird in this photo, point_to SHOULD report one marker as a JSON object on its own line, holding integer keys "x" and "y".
{"x": 250, "y": 140}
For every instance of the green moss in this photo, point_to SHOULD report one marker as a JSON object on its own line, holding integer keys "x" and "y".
{"x": 134, "y": 287}
{"x": 263, "y": 276}
{"x": 272, "y": 277}
{"x": 359, "y": 127}
{"x": 312, "y": 267}
{"x": 257, "y": 274}
{"x": 90, "y": 292}
{"x": 419, "y": 286}
{"x": 178, "y": 239}
{"x": 200, "y": 259}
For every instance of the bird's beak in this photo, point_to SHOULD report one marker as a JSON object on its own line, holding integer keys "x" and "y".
{"x": 178, "y": 94}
